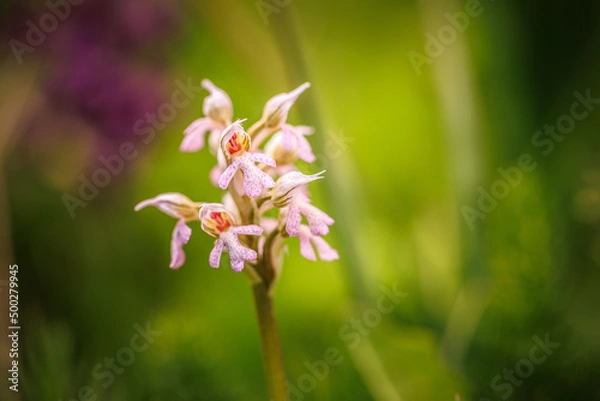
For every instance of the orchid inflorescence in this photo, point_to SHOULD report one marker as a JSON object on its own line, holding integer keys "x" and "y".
{"x": 258, "y": 181}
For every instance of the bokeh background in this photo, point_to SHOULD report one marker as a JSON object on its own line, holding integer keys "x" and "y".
{"x": 405, "y": 152}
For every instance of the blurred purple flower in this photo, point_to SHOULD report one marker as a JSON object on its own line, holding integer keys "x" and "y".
{"x": 104, "y": 62}
{"x": 99, "y": 73}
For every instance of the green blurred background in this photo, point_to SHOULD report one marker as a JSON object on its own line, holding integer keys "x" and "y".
{"x": 405, "y": 152}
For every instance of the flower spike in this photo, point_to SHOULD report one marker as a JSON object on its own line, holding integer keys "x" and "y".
{"x": 268, "y": 179}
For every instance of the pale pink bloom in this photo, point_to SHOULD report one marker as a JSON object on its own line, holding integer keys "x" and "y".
{"x": 218, "y": 111}
{"x": 235, "y": 143}
{"x": 288, "y": 192}
{"x": 290, "y": 144}
{"x": 294, "y": 138}
{"x": 278, "y": 107}
{"x": 218, "y": 222}
{"x": 184, "y": 210}
{"x": 307, "y": 240}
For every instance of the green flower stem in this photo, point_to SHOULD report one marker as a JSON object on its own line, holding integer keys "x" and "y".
{"x": 270, "y": 344}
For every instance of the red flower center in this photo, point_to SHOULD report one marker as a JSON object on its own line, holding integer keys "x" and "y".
{"x": 233, "y": 145}
{"x": 222, "y": 221}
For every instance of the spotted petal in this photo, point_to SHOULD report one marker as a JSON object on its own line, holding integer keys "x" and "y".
{"x": 181, "y": 236}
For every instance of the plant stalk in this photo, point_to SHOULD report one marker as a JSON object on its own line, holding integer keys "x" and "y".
{"x": 270, "y": 344}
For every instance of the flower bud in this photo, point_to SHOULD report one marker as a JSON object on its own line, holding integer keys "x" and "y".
{"x": 277, "y": 108}
{"x": 234, "y": 140}
{"x": 217, "y": 106}
{"x": 285, "y": 187}
{"x": 215, "y": 219}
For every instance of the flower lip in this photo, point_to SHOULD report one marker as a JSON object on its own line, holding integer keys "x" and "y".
{"x": 277, "y": 108}
{"x": 284, "y": 190}
{"x": 234, "y": 140}
{"x": 215, "y": 219}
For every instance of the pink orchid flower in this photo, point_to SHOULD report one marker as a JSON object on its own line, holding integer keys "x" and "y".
{"x": 290, "y": 144}
{"x": 218, "y": 222}
{"x": 288, "y": 192}
{"x": 184, "y": 210}
{"x": 218, "y": 112}
{"x": 235, "y": 143}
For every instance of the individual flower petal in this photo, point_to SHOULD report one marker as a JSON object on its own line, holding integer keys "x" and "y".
{"x": 304, "y": 149}
{"x": 181, "y": 236}
{"x": 228, "y": 174}
{"x": 193, "y": 140}
{"x": 307, "y": 240}
{"x": 252, "y": 229}
{"x": 202, "y": 124}
{"x": 326, "y": 252}
{"x": 262, "y": 158}
{"x": 292, "y": 224}
{"x": 214, "y": 260}
{"x": 306, "y": 248}
{"x": 277, "y": 108}
{"x": 173, "y": 204}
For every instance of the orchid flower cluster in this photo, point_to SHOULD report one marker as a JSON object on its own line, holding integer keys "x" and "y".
{"x": 267, "y": 197}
